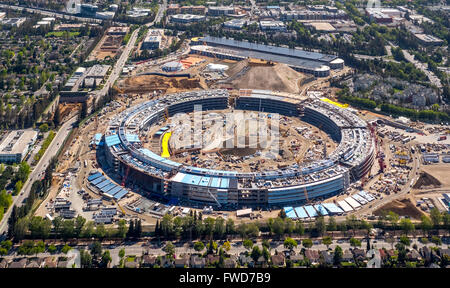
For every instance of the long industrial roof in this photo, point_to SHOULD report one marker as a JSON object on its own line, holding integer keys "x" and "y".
{"x": 270, "y": 49}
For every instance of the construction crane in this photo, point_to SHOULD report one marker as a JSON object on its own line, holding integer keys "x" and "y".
{"x": 166, "y": 113}
{"x": 215, "y": 199}
{"x": 120, "y": 207}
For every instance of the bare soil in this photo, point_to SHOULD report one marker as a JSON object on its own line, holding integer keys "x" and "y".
{"x": 403, "y": 208}
{"x": 427, "y": 181}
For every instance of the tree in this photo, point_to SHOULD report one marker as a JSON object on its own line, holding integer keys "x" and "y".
{"x": 436, "y": 217}
{"x": 266, "y": 253}
{"x": 327, "y": 240}
{"x": 307, "y": 243}
{"x": 256, "y": 253}
{"x": 278, "y": 226}
{"x": 84, "y": 109}
{"x": 230, "y": 228}
{"x": 199, "y": 246}
{"x": 337, "y": 258}
{"x": 405, "y": 240}
{"x": 100, "y": 231}
{"x": 79, "y": 223}
{"x": 57, "y": 224}
{"x": 131, "y": 230}
{"x": 122, "y": 253}
{"x": 106, "y": 258}
{"x": 299, "y": 228}
{"x": 57, "y": 117}
{"x": 290, "y": 243}
{"x": 51, "y": 249}
{"x": 227, "y": 246}
{"x": 66, "y": 249}
{"x": 248, "y": 244}
{"x": 426, "y": 224}
{"x": 393, "y": 218}
{"x": 96, "y": 249}
{"x": 169, "y": 248}
{"x": 407, "y": 225}
{"x": 282, "y": 214}
{"x": 436, "y": 240}
{"x": 122, "y": 229}
{"x": 219, "y": 228}
{"x": 67, "y": 229}
{"x": 332, "y": 226}
{"x": 320, "y": 226}
{"x": 355, "y": 242}
{"x": 209, "y": 226}
{"x": 85, "y": 259}
{"x": 266, "y": 243}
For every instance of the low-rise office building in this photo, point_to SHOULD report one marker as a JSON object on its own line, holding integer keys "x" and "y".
{"x": 15, "y": 145}
{"x": 186, "y": 18}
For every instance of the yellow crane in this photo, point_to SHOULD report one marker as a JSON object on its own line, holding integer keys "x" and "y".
{"x": 121, "y": 209}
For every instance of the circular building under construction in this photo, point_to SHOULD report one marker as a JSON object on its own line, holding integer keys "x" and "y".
{"x": 164, "y": 178}
{"x": 172, "y": 66}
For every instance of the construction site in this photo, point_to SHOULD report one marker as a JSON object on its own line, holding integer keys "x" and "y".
{"x": 332, "y": 160}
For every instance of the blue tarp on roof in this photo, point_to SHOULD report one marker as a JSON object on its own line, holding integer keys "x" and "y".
{"x": 311, "y": 211}
{"x": 103, "y": 184}
{"x": 108, "y": 187}
{"x": 97, "y": 138}
{"x": 94, "y": 176}
{"x": 332, "y": 208}
{"x": 115, "y": 190}
{"x": 120, "y": 194}
{"x": 204, "y": 181}
{"x": 191, "y": 179}
{"x": 322, "y": 211}
{"x": 112, "y": 140}
{"x": 300, "y": 212}
{"x": 225, "y": 183}
{"x": 98, "y": 180}
{"x": 215, "y": 182}
{"x": 132, "y": 138}
{"x": 290, "y": 213}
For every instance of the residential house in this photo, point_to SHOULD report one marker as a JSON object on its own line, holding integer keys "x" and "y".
{"x": 359, "y": 254}
{"x": 166, "y": 262}
{"x": 148, "y": 261}
{"x": 246, "y": 260}
{"x": 197, "y": 262}
{"x": 413, "y": 255}
{"x": 229, "y": 263}
{"x": 443, "y": 252}
{"x": 131, "y": 264}
{"x": 347, "y": 256}
{"x": 3, "y": 263}
{"x": 212, "y": 259}
{"x": 181, "y": 262}
{"x": 22, "y": 263}
{"x": 278, "y": 260}
{"x": 50, "y": 262}
{"x": 297, "y": 258}
{"x": 63, "y": 264}
{"x": 261, "y": 262}
{"x": 312, "y": 255}
{"x": 327, "y": 257}
{"x": 34, "y": 264}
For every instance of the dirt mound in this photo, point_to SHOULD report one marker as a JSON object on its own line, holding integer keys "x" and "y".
{"x": 402, "y": 208}
{"x": 278, "y": 77}
{"x": 148, "y": 83}
{"x": 427, "y": 181}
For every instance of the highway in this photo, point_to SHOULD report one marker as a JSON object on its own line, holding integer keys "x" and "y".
{"x": 54, "y": 14}
{"x": 39, "y": 170}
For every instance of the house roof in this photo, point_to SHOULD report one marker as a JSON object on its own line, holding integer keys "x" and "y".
{"x": 229, "y": 263}
{"x": 312, "y": 254}
{"x": 278, "y": 259}
{"x": 18, "y": 264}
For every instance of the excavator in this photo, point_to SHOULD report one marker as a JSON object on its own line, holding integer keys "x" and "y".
{"x": 120, "y": 207}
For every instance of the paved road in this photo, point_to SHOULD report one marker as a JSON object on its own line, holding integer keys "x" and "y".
{"x": 39, "y": 169}
{"x": 160, "y": 14}
{"x": 48, "y": 13}
{"x": 424, "y": 67}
